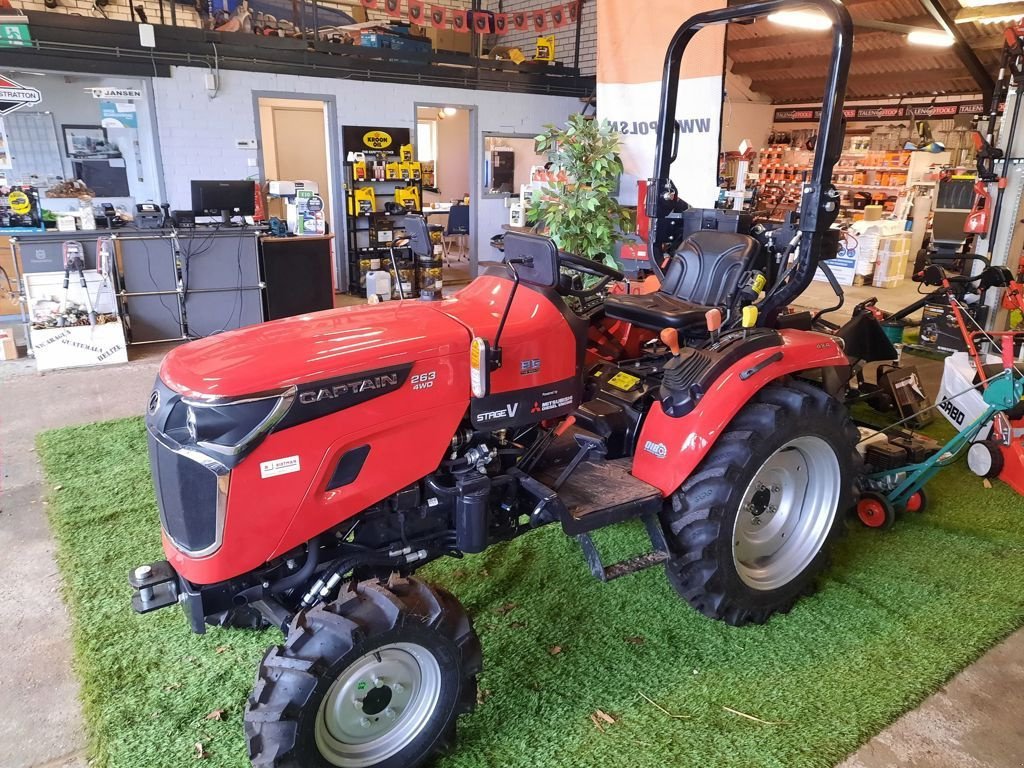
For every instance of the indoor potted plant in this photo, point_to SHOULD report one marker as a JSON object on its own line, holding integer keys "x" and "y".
{"x": 579, "y": 210}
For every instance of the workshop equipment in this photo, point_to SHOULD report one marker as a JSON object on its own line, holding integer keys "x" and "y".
{"x": 890, "y": 489}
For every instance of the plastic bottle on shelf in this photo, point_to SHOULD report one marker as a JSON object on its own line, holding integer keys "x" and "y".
{"x": 378, "y": 281}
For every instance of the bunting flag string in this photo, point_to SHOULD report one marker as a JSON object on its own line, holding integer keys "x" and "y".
{"x": 480, "y": 22}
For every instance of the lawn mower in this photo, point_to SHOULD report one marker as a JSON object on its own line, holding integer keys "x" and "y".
{"x": 902, "y": 488}
{"x": 306, "y": 468}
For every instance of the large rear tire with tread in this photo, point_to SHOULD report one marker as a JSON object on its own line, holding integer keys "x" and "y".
{"x": 375, "y": 679}
{"x": 786, "y": 466}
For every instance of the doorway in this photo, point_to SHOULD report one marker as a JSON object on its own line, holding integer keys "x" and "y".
{"x": 444, "y": 146}
{"x": 296, "y": 137}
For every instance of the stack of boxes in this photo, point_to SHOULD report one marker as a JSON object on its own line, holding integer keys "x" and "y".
{"x": 893, "y": 257}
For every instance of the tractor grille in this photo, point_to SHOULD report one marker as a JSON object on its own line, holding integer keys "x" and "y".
{"x": 191, "y": 498}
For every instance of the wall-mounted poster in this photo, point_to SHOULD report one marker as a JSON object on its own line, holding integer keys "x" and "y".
{"x": 118, "y": 114}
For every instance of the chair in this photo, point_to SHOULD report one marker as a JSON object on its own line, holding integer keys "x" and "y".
{"x": 458, "y": 226}
{"x": 705, "y": 272}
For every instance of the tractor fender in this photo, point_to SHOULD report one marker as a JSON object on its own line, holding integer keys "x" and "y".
{"x": 669, "y": 449}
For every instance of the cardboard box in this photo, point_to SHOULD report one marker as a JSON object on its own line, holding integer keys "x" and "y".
{"x": 446, "y": 40}
{"x": 940, "y": 331}
{"x": 8, "y": 349}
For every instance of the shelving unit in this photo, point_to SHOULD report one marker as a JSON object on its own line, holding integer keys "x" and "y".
{"x": 371, "y": 233}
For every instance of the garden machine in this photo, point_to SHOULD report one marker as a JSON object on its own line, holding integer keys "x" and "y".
{"x": 306, "y": 468}
{"x": 902, "y": 488}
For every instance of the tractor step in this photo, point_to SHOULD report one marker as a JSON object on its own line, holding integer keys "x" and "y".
{"x": 601, "y": 493}
{"x": 604, "y": 572}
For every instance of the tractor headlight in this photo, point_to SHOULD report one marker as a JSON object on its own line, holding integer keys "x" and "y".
{"x": 226, "y": 430}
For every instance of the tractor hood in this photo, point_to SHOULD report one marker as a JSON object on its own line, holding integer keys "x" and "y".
{"x": 312, "y": 347}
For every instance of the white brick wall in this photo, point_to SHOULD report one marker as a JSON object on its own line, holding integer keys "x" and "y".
{"x": 565, "y": 38}
{"x": 197, "y": 133}
{"x": 117, "y": 10}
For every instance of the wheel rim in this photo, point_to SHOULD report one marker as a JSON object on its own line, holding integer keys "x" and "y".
{"x": 871, "y": 512}
{"x": 786, "y": 513}
{"x": 378, "y": 705}
{"x": 915, "y": 502}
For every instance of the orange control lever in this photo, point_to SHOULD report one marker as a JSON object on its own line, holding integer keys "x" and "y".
{"x": 713, "y": 318}
{"x": 670, "y": 338}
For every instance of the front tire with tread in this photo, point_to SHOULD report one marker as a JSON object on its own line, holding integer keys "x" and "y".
{"x": 701, "y": 517}
{"x": 294, "y": 678}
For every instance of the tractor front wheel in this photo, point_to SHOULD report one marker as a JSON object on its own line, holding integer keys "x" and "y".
{"x": 376, "y": 679}
{"x": 751, "y": 528}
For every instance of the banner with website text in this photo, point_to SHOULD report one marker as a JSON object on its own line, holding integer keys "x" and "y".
{"x": 632, "y": 39}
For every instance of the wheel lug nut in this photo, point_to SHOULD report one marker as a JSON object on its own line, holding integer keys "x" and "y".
{"x": 377, "y": 682}
{"x": 365, "y": 722}
{"x": 776, "y": 488}
{"x": 771, "y": 510}
{"x": 359, "y": 700}
{"x": 390, "y": 713}
{"x": 397, "y": 688}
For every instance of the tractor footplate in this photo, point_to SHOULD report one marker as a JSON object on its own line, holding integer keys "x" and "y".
{"x": 601, "y": 493}
{"x": 604, "y": 572}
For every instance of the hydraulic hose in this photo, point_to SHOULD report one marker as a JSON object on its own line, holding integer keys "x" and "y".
{"x": 302, "y": 575}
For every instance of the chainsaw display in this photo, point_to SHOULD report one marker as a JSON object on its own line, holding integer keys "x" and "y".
{"x": 306, "y": 468}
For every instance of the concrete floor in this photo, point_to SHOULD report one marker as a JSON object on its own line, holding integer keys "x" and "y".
{"x": 973, "y": 722}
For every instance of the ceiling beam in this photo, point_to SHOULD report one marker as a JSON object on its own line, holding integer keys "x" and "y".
{"x": 868, "y": 88}
{"x": 973, "y": 15}
{"x": 963, "y": 48}
{"x": 868, "y": 58}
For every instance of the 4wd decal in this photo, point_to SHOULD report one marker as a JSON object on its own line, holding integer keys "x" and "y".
{"x": 526, "y": 406}
{"x": 320, "y": 398}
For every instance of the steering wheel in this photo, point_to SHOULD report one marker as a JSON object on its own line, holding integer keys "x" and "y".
{"x": 587, "y": 267}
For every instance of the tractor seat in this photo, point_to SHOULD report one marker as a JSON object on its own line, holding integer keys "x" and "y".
{"x": 704, "y": 273}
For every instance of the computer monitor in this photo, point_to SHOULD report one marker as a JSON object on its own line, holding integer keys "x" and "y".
{"x": 223, "y": 198}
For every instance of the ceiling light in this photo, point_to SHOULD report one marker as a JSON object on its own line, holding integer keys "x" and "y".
{"x": 980, "y": 3}
{"x": 801, "y": 19}
{"x": 450, "y": 111}
{"x": 935, "y": 39}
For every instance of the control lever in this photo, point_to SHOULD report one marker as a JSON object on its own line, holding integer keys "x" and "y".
{"x": 672, "y": 373}
{"x": 749, "y": 319}
{"x": 713, "y": 319}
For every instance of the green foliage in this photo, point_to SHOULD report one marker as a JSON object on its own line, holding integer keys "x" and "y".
{"x": 582, "y": 215}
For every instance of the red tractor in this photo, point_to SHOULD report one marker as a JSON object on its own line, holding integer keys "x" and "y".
{"x": 306, "y": 468}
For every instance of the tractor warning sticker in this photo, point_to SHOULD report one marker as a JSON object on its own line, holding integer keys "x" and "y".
{"x": 276, "y": 467}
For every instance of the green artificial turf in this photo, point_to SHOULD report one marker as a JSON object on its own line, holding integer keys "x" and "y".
{"x": 898, "y": 614}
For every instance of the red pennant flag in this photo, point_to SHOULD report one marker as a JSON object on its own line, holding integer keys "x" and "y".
{"x": 500, "y": 23}
{"x": 540, "y": 20}
{"x": 438, "y": 17}
{"x": 416, "y": 12}
{"x": 558, "y": 16}
{"x": 520, "y": 21}
{"x": 393, "y": 8}
{"x": 482, "y": 23}
{"x": 574, "y": 11}
{"x": 459, "y": 23}
{"x": 371, "y": 4}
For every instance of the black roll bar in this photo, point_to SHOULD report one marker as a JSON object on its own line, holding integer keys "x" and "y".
{"x": 820, "y": 201}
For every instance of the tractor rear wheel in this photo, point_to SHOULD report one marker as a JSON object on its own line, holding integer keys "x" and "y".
{"x": 751, "y": 528}
{"x": 376, "y": 679}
